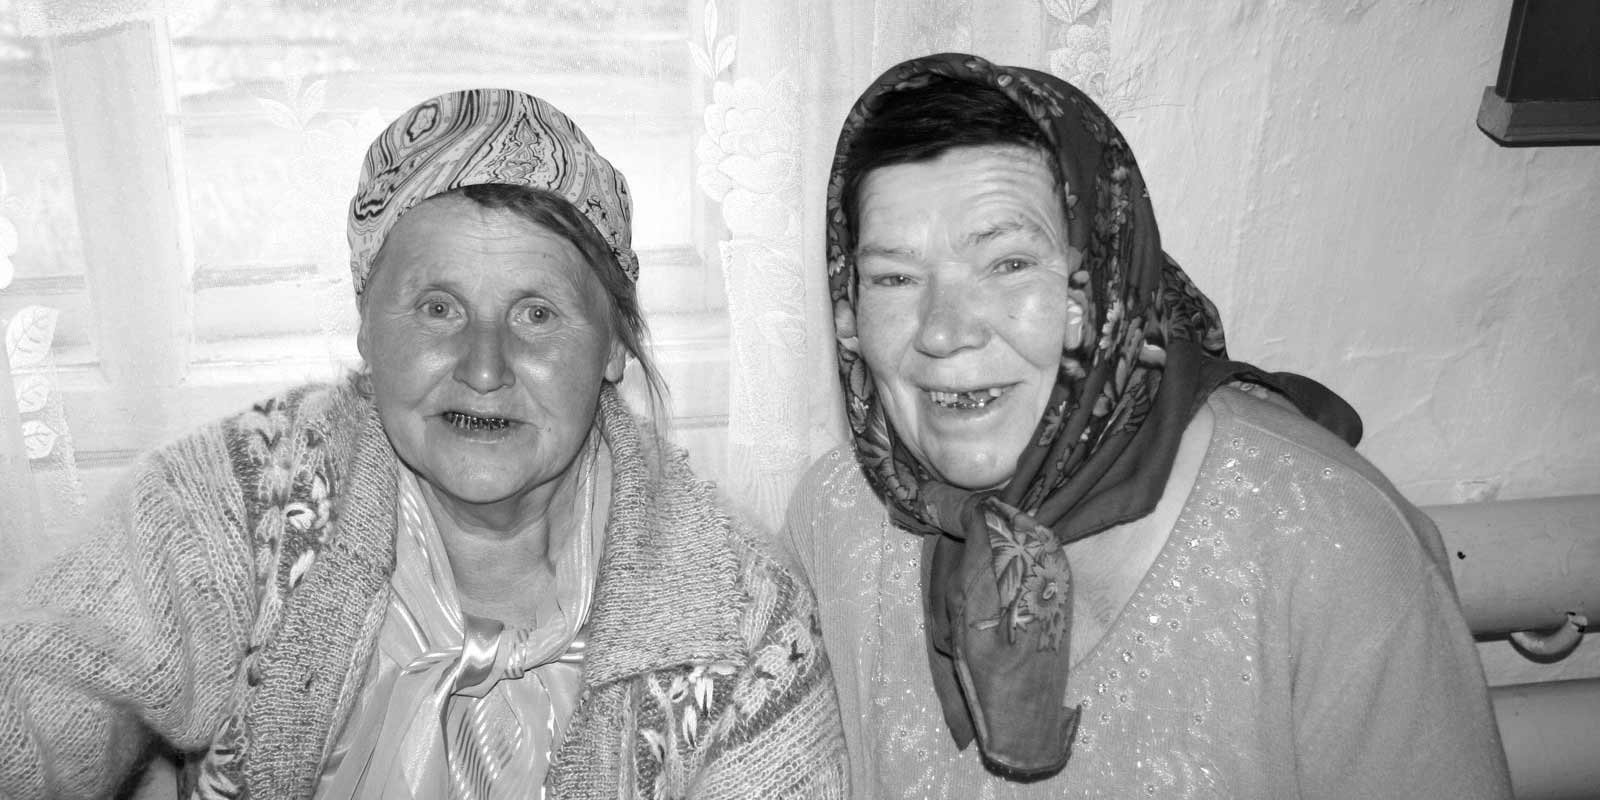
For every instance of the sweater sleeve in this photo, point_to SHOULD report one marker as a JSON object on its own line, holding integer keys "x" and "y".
{"x": 806, "y": 505}
{"x": 800, "y": 533}
{"x": 1389, "y": 696}
{"x": 135, "y": 631}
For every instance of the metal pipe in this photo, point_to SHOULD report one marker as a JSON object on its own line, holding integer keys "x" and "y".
{"x": 1551, "y": 734}
{"x": 1552, "y": 645}
{"x": 1524, "y": 565}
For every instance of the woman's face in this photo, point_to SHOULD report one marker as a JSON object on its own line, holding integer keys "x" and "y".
{"x": 488, "y": 338}
{"x": 962, "y": 310}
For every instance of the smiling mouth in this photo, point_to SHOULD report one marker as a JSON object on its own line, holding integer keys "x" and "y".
{"x": 468, "y": 422}
{"x": 977, "y": 398}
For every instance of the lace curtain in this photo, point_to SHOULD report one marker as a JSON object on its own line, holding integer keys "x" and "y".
{"x": 173, "y": 179}
{"x": 783, "y": 76}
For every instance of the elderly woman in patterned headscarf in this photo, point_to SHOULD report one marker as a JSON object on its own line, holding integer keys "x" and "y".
{"x": 468, "y": 571}
{"x": 1069, "y": 526}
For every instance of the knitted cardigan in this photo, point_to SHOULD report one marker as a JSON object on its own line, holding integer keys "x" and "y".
{"x": 232, "y": 594}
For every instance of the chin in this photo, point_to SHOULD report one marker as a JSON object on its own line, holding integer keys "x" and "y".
{"x": 476, "y": 489}
{"x": 474, "y": 495}
{"x": 973, "y": 463}
{"x": 975, "y": 474}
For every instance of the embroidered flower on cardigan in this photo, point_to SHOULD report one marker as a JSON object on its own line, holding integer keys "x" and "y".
{"x": 680, "y": 715}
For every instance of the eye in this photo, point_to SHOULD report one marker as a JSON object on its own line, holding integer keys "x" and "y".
{"x": 890, "y": 279}
{"x": 535, "y": 314}
{"x": 436, "y": 307}
{"x": 1016, "y": 264}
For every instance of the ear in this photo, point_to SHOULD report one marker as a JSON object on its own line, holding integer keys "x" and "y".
{"x": 1077, "y": 322}
{"x": 1077, "y": 304}
{"x": 362, "y": 345}
{"x": 844, "y": 325}
{"x": 617, "y": 362}
{"x": 1074, "y": 259}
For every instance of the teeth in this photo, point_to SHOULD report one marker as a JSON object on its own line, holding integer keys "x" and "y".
{"x": 468, "y": 422}
{"x": 977, "y": 398}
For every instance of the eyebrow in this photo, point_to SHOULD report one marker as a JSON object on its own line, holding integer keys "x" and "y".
{"x": 866, "y": 251}
{"x": 415, "y": 285}
{"x": 1003, "y": 228}
{"x": 978, "y": 237}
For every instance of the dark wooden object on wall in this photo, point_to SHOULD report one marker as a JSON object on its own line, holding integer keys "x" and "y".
{"x": 1548, "y": 90}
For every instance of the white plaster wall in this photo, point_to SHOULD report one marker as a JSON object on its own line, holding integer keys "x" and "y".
{"x": 1316, "y": 167}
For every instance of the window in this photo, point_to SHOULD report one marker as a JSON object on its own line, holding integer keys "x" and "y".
{"x": 179, "y": 183}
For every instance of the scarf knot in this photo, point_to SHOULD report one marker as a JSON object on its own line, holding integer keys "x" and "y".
{"x": 999, "y": 608}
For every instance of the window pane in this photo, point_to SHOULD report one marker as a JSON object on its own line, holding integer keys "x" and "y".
{"x": 278, "y": 101}
{"x": 40, "y": 221}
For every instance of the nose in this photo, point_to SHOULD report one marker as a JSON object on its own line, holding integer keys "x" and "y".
{"x": 484, "y": 366}
{"x": 952, "y": 320}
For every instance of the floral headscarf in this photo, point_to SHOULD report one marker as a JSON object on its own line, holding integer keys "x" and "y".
{"x": 997, "y": 585}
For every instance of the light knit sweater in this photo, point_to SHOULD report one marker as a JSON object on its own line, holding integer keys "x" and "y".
{"x": 1297, "y": 636}
{"x": 231, "y": 597}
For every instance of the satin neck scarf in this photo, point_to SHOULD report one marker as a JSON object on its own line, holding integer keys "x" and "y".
{"x": 459, "y": 706}
{"x": 997, "y": 583}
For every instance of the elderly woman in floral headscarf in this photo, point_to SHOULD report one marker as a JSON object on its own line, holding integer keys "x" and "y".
{"x": 1069, "y": 528}
{"x": 468, "y": 572}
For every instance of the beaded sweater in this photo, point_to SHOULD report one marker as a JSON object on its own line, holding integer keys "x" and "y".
{"x": 1297, "y": 636}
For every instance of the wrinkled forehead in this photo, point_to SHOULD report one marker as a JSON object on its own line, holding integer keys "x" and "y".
{"x": 964, "y": 197}
{"x": 1018, "y": 110}
{"x": 487, "y": 254}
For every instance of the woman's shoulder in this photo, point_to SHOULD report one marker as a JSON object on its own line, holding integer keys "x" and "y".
{"x": 302, "y": 420}
{"x": 1290, "y": 475}
{"x": 831, "y": 510}
{"x": 680, "y": 536}
{"x": 684, "y": 504}
{"x": 833, "y": 468}
{"x": 1244, "y": 420}
{"x": 317, "y": 405}
{"x": 834, "y": 488}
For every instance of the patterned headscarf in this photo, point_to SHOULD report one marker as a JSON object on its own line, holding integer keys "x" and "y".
{"x": 998, "y": 588}
{"x": 482, "y": 136}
